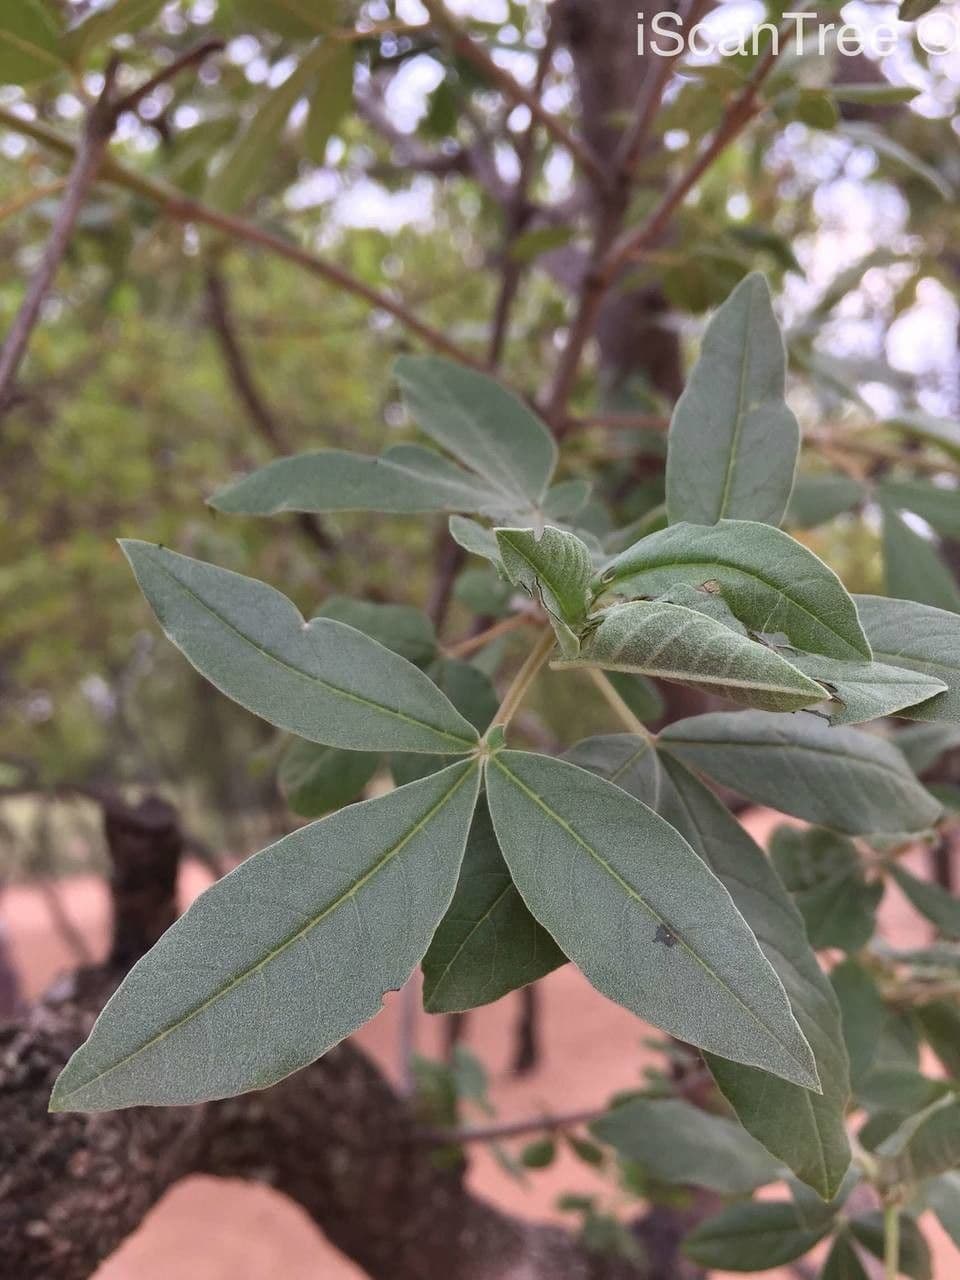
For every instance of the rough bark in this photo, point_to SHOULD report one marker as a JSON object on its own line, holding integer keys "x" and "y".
{"x": 334, "y": 1137}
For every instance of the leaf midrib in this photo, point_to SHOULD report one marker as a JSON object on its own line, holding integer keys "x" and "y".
{"x": 313, "y": 679}
{"x": 738, "y": 423}
{"x": 290, "y": 940}
{"x": 615, "y": 875}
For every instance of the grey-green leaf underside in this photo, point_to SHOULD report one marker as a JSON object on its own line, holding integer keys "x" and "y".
{"x": 671, "y": 642}
{"x": 488, "y": 943}
{"x": 322, "y": 680}
{"x": 282, "y": 958}
{"x": 403, "y": 480}
{"x": 841, "y": 778}
{"x": 734, "y": 442}
{"x": 863, "y": 691}
{"x": 632, "y": 905}
{"x": 922, "y": 638}
{"x": 771, "y": 582}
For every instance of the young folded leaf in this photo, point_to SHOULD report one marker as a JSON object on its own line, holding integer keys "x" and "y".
{"x": 488, "y": 943}
{"x": 924, "y": 639}
{"x": 322, "y": 680}
{"x": 282, "y": 958}
{"x": 733, "y": 442}
{"x": 555, "y": 569}
{"x": 584, "y": 854}
{"x": 670, "y": 642}
{"x": 485, "y": 426}
{"x": 404, "y": 480}
{"x": 863, "y": 691}
{"x": 805, "y": 1130}
{"x": 770, "y": 582}
{"x": 840, "y": 778}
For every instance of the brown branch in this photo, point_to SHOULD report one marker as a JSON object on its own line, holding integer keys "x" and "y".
{"x": 241, "y": 378}
{"x": 513, "y": 90}
{"x": 97, "y": 131}
{"x": 191, "y": 58}
{"x": 512, "y": 1128}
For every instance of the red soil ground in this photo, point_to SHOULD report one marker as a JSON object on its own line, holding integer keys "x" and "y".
{"x": 206, "y": 1229}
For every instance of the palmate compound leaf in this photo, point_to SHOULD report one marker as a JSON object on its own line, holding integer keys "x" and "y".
{"x": 627, "y": 899}
{"x": 805, "y": 1130}
{"x": 555, "y": 568}
{"x": 485, "y": 426}
{"x": 734, "y": 442}
{"x": 670, "y": 642}
{"x": 283, "y": 957}
{"x": 488, "y": 943}
{"x": 404, "y": 480}
{"x": 322, "y": 680}
{"x": 771, "y": 582}
{"x": 922, "y": 638}
{"x": 845, "y": 779}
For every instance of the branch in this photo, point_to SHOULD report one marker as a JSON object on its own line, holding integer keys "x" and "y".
{"x": 88, "y": 156}
{"x": 191, "y": 58}
{"x": 512, "y": 1128}
{"x": 182, "y": 209}
{"x": 248, "y": 393}
{"x": 514, "y": 91}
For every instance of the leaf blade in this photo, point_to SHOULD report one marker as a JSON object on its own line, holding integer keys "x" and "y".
{"x": 550, "y": 813}
{"x": 152, "y": 1042}
{"x": 734, "y": 443}
{"x": 321, "y": 680}
{"x": 921, "y": 638}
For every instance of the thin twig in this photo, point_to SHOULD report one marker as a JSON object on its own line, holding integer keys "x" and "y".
{"x": 504, "y": 628}
{"x": 631, "y": 722}
{"x": 512, "y": 1128}
{"x": 248, "y": 393}
{"x": 16, "y": 204}
{"x": 524, "y": 678}
{"x": 88, "y": 156}
{"x": 191, "y": 58}
{"x": 513, "y": 90}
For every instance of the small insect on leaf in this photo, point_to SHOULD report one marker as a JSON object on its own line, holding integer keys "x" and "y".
{"x": 664, "y": 935}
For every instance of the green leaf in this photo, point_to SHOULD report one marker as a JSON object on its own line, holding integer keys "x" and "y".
{"x": 841, "y": 778}
{"x": 331, "y": 97}
{"x": 939, "y": 906}
{"x": 242, "y": 168}
{"x": 753, "y": 1237}
{"x": 817, "y": 499}
{"x": 823, "y": 872}
{"x": 675, "y": 1142}
{"x": 805, "y": 1130}
{"x": 567, "y": 499}
{"x": 937, "y": 431}
{"x": 641, "y": 695}
{"x": 399, "y": 627}
{"x": 627, "y": 899}
{"x": 322, "y": 680}
{"x": 482, "y": 424}
{"x": 896, "y": 155}
{"x": 926, "y": 1145}
{"x": 938, "y": 506}
{"x": 673, "y": 643}
{"x": 896, "y": 1091}
{"x": 100, "y": 26}
{"x": 530, "y": 245}
{"x": 863, "y": 691}
{"x": 29, "y": 43}
{"x": 471, "y": 693}
{"x": 770, "y": 582}
{"x": 293, "y": 19}
{"x": 842, "y": 1261}
{"x": 488, "y": 943}
{"x": 733, "y": 441}
{"x": 862, "y": 1015}
{"x": 282, "y": 958}
{"x": 476, "y": 539}
{"x": 405, "y": 479}
{"x": 910, "y": 10}
{"x": 913, "y": 568}
{"x": 924, "y": 639}
{"x": 317, "y": 779}
{"x": 925, "y": 744}
{"x": 880, "y": 94}
{"x": 940, "y": 1026}
{"x": 943, "y": 1196}
{"x": 540, "y": 1154}
{"x": 555, "y": 569}
{"x": 914, "y": 1252}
